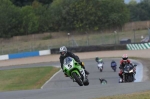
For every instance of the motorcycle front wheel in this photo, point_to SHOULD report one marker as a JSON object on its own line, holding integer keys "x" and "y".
{"x": 77, "y": 79}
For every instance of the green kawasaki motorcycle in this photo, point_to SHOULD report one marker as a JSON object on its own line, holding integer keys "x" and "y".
{"x": 74, "y": 70}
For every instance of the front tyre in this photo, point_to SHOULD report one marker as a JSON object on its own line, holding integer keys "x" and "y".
{"x": 101, "y": 69}
{"x": 114, "y": 69}
{"x": 77, "y": 79}
{"x": 131, "y": 78}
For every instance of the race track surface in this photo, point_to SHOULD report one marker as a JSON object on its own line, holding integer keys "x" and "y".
{"x": 61, "y": 87}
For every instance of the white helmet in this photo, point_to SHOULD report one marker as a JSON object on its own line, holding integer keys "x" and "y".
{"x": 124, "y": 57}
{"x": 63, "y": 50}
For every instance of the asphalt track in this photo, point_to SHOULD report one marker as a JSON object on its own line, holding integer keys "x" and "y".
{"x": 61, "y": 87}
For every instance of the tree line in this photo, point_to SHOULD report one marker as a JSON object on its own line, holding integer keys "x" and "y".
{"x": 22, "y": 17}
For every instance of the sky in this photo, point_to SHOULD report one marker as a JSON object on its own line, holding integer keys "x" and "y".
{"x": 127, "y": 1}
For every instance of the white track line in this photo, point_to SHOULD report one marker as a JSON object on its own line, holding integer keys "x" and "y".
{"x": 139, "y": 71}
{"x": 51, "y": 78}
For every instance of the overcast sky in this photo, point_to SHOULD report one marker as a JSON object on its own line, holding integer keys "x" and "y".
{"x": 127, "y": 1}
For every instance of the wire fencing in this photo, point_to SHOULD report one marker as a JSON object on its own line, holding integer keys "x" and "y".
{"x": 55, "y": 40}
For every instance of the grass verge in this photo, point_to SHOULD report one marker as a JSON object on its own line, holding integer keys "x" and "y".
{"x": 26, "y": 78}
{"x": 139, "y": 95}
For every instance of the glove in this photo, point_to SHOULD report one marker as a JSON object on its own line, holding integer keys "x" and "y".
{"x": 81, "y": 63}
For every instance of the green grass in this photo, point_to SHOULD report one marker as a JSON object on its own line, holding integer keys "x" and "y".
{"x": 26, "y": 78}
{"x": 47, "y": 37}
{"x": 139, "y": 95}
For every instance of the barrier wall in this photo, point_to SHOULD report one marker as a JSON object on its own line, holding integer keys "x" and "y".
{"x": 139, "y": 46}
{"x": 25, "y": 54}
{"x": 92, "y": 48}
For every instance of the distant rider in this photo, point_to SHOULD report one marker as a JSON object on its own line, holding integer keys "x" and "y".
{"x": 123, "y": 62}
{"x": 113, "y": 63}
{"x": 64, "y": 53}
{"x": 99, "y": 60}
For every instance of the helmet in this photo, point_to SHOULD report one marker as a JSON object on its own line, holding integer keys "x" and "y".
{"x": 63, "y": 50}
{"x": 113, "y": 61}
{"x": 124, "y": 57}
{"x": 96, "y": 58}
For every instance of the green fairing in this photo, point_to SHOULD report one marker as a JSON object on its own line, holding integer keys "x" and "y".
{"x": 100, "y": 60}
{"x": 75, "y": 68}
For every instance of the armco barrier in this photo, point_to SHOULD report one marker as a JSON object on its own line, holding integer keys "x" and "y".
{"x": 133, "y": 46}
{"x": 92, "y": 48}
{"x": 4, "y": 57}
{"x": 56, "y": 51}
{"x": 25, "y": 54}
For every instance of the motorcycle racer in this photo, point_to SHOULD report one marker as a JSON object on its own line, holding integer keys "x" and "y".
{"x": 113, "y": 65}
{"x": 99, "y": 60}
{"x": 64, "y": 53}
{"x": 123, "y": 62}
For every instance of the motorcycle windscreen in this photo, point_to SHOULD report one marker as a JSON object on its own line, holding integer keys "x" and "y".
{"x": 128, "y": 68}
{"x": 67, "y": 60}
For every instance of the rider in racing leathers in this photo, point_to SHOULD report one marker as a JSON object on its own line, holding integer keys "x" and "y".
{"x": 123, "y": 62}
{"x": 64, "y": 53}
{"x": 113, "y": 64}
{"x": 99, "y": 60}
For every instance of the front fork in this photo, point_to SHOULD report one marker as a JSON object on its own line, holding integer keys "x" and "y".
{"x": 83, "y": 76}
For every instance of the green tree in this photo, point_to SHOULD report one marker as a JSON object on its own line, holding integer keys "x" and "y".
{"x": 114, "y": 13}
{"x": 133, "y": 2}
{"x": 21, "y": 3}
{"x": 9, "y": 15}
{"x": 88, "y": 14}
{"x": 29, "y": 20}
{"x": 75, "y": 14}
{"x": 139, "y": 11}
{"x": 45, "y": 1}
{"x": 44, "y": 16}
{"x": 145, "y": 8}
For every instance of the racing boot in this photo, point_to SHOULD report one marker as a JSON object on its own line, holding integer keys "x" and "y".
{"x": 121, "y": 77}
{"x": 86, "y": 72}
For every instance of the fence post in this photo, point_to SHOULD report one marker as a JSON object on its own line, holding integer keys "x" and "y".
{"x": 1, "y": 51}
{"x": 148, "y": 33}
{"x": 87, "y": 39}
{"x": 134, "y": 35}
{"x": 68, "y": 39}
{"x": 115, "y": 36}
